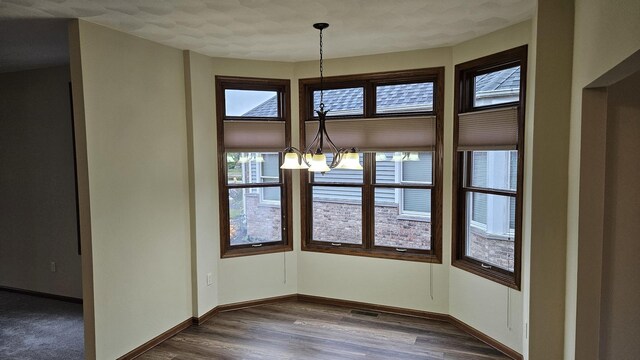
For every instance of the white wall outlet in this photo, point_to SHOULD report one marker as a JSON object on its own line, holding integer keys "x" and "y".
{"x": 52, "y": 266}
{"x": 209, "y": 279}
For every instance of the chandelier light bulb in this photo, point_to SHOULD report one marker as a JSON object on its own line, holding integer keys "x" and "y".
{"x": 292, "y": 162}
{"x": 350, "y": 161}
{"x": 319, "y": 163}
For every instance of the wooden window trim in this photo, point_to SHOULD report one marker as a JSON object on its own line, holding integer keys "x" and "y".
{"x": 463, "y": 102}
{"x": 282, "y": 86}
{"x": 369, "y": 81}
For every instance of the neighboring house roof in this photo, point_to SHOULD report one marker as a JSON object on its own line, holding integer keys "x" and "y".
{"x": 403, "y": 97}
{"x": 504, "y": 80}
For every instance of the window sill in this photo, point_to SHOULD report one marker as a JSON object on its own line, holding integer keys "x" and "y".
{"x": 269, "y": 204}
{"x": 489, "y": 274}
{"x": 374, "y": 253}
{"x": 409, "y": 217}
{"x": 481, "y": 231}
{"x": 248, "y": 251}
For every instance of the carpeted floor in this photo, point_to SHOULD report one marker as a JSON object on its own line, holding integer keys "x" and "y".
{"x": 34, "y": 328}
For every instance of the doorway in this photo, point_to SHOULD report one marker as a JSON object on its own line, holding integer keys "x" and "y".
{"x": 41, "y": 292}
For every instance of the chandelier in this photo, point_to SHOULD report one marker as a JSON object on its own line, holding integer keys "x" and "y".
{"x": 313, "y": 158}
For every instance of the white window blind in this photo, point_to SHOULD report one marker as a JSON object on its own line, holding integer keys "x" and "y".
{"x": 380, "y": 134}
{"x": 495, "y": 129}
{"x": 254, "y": 136}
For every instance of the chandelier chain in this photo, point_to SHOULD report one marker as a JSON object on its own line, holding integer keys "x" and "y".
{"x": 321, "y": 75}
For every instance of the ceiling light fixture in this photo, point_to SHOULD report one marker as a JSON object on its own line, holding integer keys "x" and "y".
{"x": 313, "y": 158}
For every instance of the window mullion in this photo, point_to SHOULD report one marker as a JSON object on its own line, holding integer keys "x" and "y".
{"x": 370, "y": 99}
{"x": 368, "y": 200}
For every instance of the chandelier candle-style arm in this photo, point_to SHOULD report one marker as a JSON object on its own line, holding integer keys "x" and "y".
{"x": 313, "y": 157}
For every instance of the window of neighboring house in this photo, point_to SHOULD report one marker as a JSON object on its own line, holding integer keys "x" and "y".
{"x": 255, "y": 198}
{"x": 487, "y": 210}
{"x": 418, "y": 171}
{"x": 268, "y": 168}
{"x": 384, "y": 210}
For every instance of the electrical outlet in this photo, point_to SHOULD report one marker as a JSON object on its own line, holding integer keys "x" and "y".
{"x": 53, "y": 266}
{"x": 209, "y": 279}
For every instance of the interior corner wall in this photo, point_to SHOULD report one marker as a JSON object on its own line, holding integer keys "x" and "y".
{"x": 205, "y": 248}
{"x": 605, "y": 34}
{"x": 549, "y": 177}
{"x": 492, "y": 308}
{"x": 37, "y": 184}
{"x": 136, "y": 147}
{"x": 259, "y": 276}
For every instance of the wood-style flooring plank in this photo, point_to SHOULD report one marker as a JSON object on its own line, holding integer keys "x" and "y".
{"x": 306, "y": 331}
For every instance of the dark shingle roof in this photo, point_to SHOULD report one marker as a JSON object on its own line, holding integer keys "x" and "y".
{"x": 390, "y": 98}
{"x": 503, "y": 80}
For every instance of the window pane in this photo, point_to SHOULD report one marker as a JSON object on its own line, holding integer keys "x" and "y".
{"x": 416, "y": 97}
{"x": 491, "y": 242}
{"x": 252, "y": 221}
{"x": 349, "y": 101}
{"x": 494, "y": 169}
{"x": 253, "y": 168}
{"x": 270, "y": 166}
{"x": 337, "y": 214}
{"x": 479, "y": 210}
{"x": 270, "y": 194}
{"x": 418, "y": 169}
{"x": 416, "y": 202}
{"x": 340, "y": 175}
{"x": 404, "y": 167}
{"x": 253, "y": 103}
{"x": 497, "y": 87}
{"x": 397, "y": 228}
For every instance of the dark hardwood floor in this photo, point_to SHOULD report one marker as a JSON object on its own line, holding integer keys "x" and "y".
{"x": 299, "y": 330}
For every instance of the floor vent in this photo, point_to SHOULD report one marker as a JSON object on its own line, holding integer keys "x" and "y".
{"x": 365, "y": 313}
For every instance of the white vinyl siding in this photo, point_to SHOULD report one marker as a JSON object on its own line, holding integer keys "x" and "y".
{"x": 414, "y": 201}
{"x": 480, "y": 208}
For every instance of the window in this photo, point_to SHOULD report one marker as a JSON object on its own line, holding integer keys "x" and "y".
{"x": 489, "y": 123}
{"x": 255, "y": 198}
{"x": 384, "y": 210}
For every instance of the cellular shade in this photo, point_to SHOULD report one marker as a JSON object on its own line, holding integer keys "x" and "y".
{"x": 379, "y": 134}
{"x": 252, "y": 136}
{"x": 495, "y": 129}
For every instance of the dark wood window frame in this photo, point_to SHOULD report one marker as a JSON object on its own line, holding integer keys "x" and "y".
{"x": 282, "y": 87}
{"x": 463, "y": 102}
{"x": 369, "y": 83}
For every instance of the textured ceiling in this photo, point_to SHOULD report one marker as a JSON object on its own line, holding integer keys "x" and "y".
{"x": 281, "y": 29}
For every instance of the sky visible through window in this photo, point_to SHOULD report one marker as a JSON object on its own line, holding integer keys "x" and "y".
{"x": 239, "y": 102}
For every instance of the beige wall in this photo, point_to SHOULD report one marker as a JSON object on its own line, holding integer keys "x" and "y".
{"x": 492, "y": 308}
{"x": 606, "y": 33}
{"x": 379, "y": 281}
{"x": 620, "y": 318}
{"x": 37, "y": 184}
{"x": 205, "y": 244}
{"x": 136, "y": 147}
{"x": 261, "y": 276}
{"x": 382, "y": 281}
